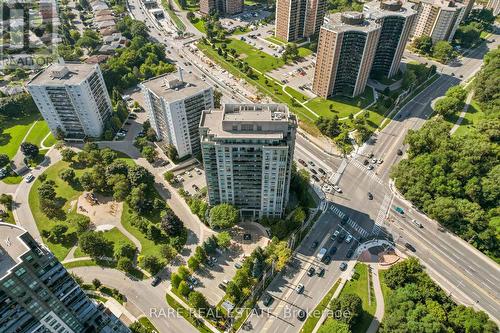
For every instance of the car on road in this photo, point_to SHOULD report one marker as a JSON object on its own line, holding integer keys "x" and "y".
{"x": 311, "y": 163}
{"x": 370, "y": 167}
{"x": 156, "y": 281}
{"x": 370, "y": 196}
{"x": 399, "y": 152}
{"x": 311, "y": 271}
{"x": 399, "y": 210}
{"x": 380, "y": 161}
{"x": 327, "y": 259}
{"x": 237, "y": 265}
{"x": 335, "y": 235}
{"x": 223, "y": 286}
{"x": 321, "y": 271}
{"x": 333, "y": 250}
{"x": 366, "y": 162}
{"x": 29, "y": 178}
{"x": 301, "y": 315}
{"x": 348, "y": 239}
{"x": 327, "y": 188}
{"x": 374, "y": 160}
{"x": 337, "y": 188}
{"x": 267, "y": 299}
{"x": 417, "y": 223}
{"x": 410, "y": 247}
{"x": 343, "y": 266}
{"x": 314, "y": 171}
{"x": 349, "y": 253}
{"x": 314, "y": 244}
{"x": 321, "y": 171}
{"x": 315, "y": 178}
{"x": 302, "y": 162}
{"x": 300, "y": 288}
{"x": 321, "y": 253}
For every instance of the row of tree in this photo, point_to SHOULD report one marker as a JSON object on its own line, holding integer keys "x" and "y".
{"x": 416, "y": 304}
{"x": 453, "y": 101}
{"x": 441, "y": 50}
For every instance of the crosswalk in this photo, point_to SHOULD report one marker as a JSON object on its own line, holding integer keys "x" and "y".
{"x": 381, "y": 215}
{"x": 370, "y": 173}
{"x": 350, "y": 221}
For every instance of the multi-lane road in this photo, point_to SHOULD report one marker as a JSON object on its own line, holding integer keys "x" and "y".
{"x": 468, "y": 275}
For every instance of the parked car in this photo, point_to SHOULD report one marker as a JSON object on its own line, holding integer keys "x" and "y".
{"x": 300, "y": 288}
{"x": 156, "y": 281}
{"x": 327, "y": 259}
{"x": 349, "y": 253}
{"x": 348, "y": 239}
{"x": 237, "y": 265}
{"x": 333, "y": 250}
{"x": 335, "y": 235}
{"x": 315, "y": 178}
{"x": 223, "y": 286}
{"x": 314, "y": 244}
{"x": 311, "y": 271}
{"x": 370, "y": 167}
{"x": 366, "y": 162}
{"x": 341, "y": 237}
{"x": 337, "y": 188}
{"x": 322, "y": 171}
{"x": 321, "y": 272}
{"x": 343, "y": 266}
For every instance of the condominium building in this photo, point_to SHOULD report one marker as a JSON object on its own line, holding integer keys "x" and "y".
{"x": 494, "y": 5}
{"x": 438, "y": 19}
{"x": 297, "y": 19}
{"x": 396, "y": 20}
{"x": 174, "y": 103}
{"x": 468, "y": 7}
{"x": 346, "y": 49}
{"x": 221, "y": 7}
{"x": 247, "y": 154}
{"x": 38, "y": 295}
{"x": 73, "y": 99}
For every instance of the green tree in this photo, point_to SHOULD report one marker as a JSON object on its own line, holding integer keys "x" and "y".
{"x": 58, "y": 232}
{"x": 68, "y": 154}
{"x": 29, "y": 150}
{"x": 125, "y": 264}
{"x": 457, "y": 92}
{"x": 125, "y": 250}
{"x": 351, "y": 307}
{"x": 198, "y": 301}
{"x": 68, "y": 175}
{"x": 223, "y": 239}
{"x": 81, "y": 222}
{"x": 234, "y": 292}
{"x": 448, "y": 105}
{"x": 139, "y": 175}
{"x": 96, "y": 283}
{"x": 149, "y": 153}
{"x": 6, "y": 200}
{"x": 95, "y": 245}
{"x": 423, "y": 44}
{"x": 152, "y": 264}
{"x": 223, "y": 216}
{"x": 331, "y": 325}
{"x": 443, "y": 51}
{"x": 170, "y": 223}
{"x": 184, "y": 288}
{"x": 4, "y": 160}
{"x": 169, "y": 176}
{"x": 183, "y": 272}
{"x": 467, "y": 35}
{"x": 193, "y": 264}
{"x": 168, "y": 252}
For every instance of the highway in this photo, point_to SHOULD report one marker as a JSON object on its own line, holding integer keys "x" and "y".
{"x": 469, "y": 276}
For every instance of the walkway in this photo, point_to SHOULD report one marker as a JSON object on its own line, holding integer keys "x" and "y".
{"x": 462, "y": 114}
{"x": 379, "y": 312}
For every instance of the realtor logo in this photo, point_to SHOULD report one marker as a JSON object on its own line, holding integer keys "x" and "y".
{"x": 28, "y": 33}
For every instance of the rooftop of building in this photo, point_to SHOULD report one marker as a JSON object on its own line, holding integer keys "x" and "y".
{"x": 378, "y": 9}
{"x": 176, "y": 86}
{"x": 349, "y": 21}
{"x": 11, "y": 247}
{"x": 267, "y": 121}
{"x": 63, "y": 74}
{"x": 443, "y": 4}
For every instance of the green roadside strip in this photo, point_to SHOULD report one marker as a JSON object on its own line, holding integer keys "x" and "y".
{"x": 311, "y": 321}
{"x": 173, "y": 16}
{"x": 198, "y": 324}
{"x": 147, "y": 324}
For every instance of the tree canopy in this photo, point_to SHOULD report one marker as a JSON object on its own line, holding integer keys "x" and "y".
{"x": 223, "y": 216}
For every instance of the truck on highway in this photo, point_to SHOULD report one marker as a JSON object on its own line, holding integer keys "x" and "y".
{"x": 321, "y": 253}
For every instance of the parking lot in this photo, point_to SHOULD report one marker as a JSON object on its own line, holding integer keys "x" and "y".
{"x": 298, "y": 75}
{"x": 192, "y": 179}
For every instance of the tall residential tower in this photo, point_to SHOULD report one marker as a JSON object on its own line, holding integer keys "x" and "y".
{"x": 37, "y": 294}
{"x": 396, "y": 20}
{"x": 297, "y": 19}
{"x": 73, "y": 99}
{"x": 221, "y": 7}
{"x": 438, "y": 19}
{"x": 346, "y": 49}
{"x": 248, "y": 154}
{"x": 174, "y": 103}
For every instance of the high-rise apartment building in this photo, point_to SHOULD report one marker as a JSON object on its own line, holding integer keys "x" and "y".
{"x": 221, "y": 7}
{"x": 73, "y": 99}
{"x": 494, "y": 5}
{"x": 396, "y": 20}
{"x": 247, "y": 155}
{"x": 468, "y": 7}
{"x": 38, "y": 295}
{"x": 346, "y": 49}
{"x": 174, "y": 103}
{"x": 438, "y": 19}
{"x": 296, "y": 19}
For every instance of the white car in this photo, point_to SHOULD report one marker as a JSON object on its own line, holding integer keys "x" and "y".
{"x": 300, "y": 288}
{"x": 374, "y": 161}
{"x": 327, "y": 188}
{"x": 29, "y": 178}
{"x": 370, "y": 167}
{"x": 348, "y": 239}
{"x": 337, "y": 188}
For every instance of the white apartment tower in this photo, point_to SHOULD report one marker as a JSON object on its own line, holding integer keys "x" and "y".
{"x": 438, "y": 19}
{"x": 247, "y": 155}
{"x": 174, "y": 103}
{"x": 72, "y": 98}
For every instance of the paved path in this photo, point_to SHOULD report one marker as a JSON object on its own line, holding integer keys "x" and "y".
{"x": 379, "y": 312}
{"x": 462, "y": 114}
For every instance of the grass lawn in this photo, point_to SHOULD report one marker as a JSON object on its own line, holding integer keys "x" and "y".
{"x": 137, "y": 274}
{"x": 255, "y": 58}
{"x": 97, "y": 297}
{"x": 38, "y": 132}
{"x": 173, "y": 16}
{"x": 473, "y": 115}
{"x": 199, "y": 24}
{"x": 12, "y": 132}
{"x": 9, "y": 218}
{"x": 276, "y": 40}
{"x": 313, "y": 320}
{"x": 341, "y": 106}
{"x": 12, "y": 179}
{"x": 240, "y": 31}
{"x": 50, "y": 141}
{"x": 146, "y": 323}
{"x": 359, "y": 286}
{"x": 199, "y": 325}
{"x": 113, "y": 235}
{"x": 385, "y": 289}
{"x": 304, "y": 52}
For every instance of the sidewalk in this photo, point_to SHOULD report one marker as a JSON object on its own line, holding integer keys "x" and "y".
{"x": 468, "y": 100}
{"x": 379, "y": 312}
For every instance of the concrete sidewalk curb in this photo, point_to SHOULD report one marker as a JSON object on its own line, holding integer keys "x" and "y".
{"x": 325, "y": 313}
{"x": 379, "y": 296}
